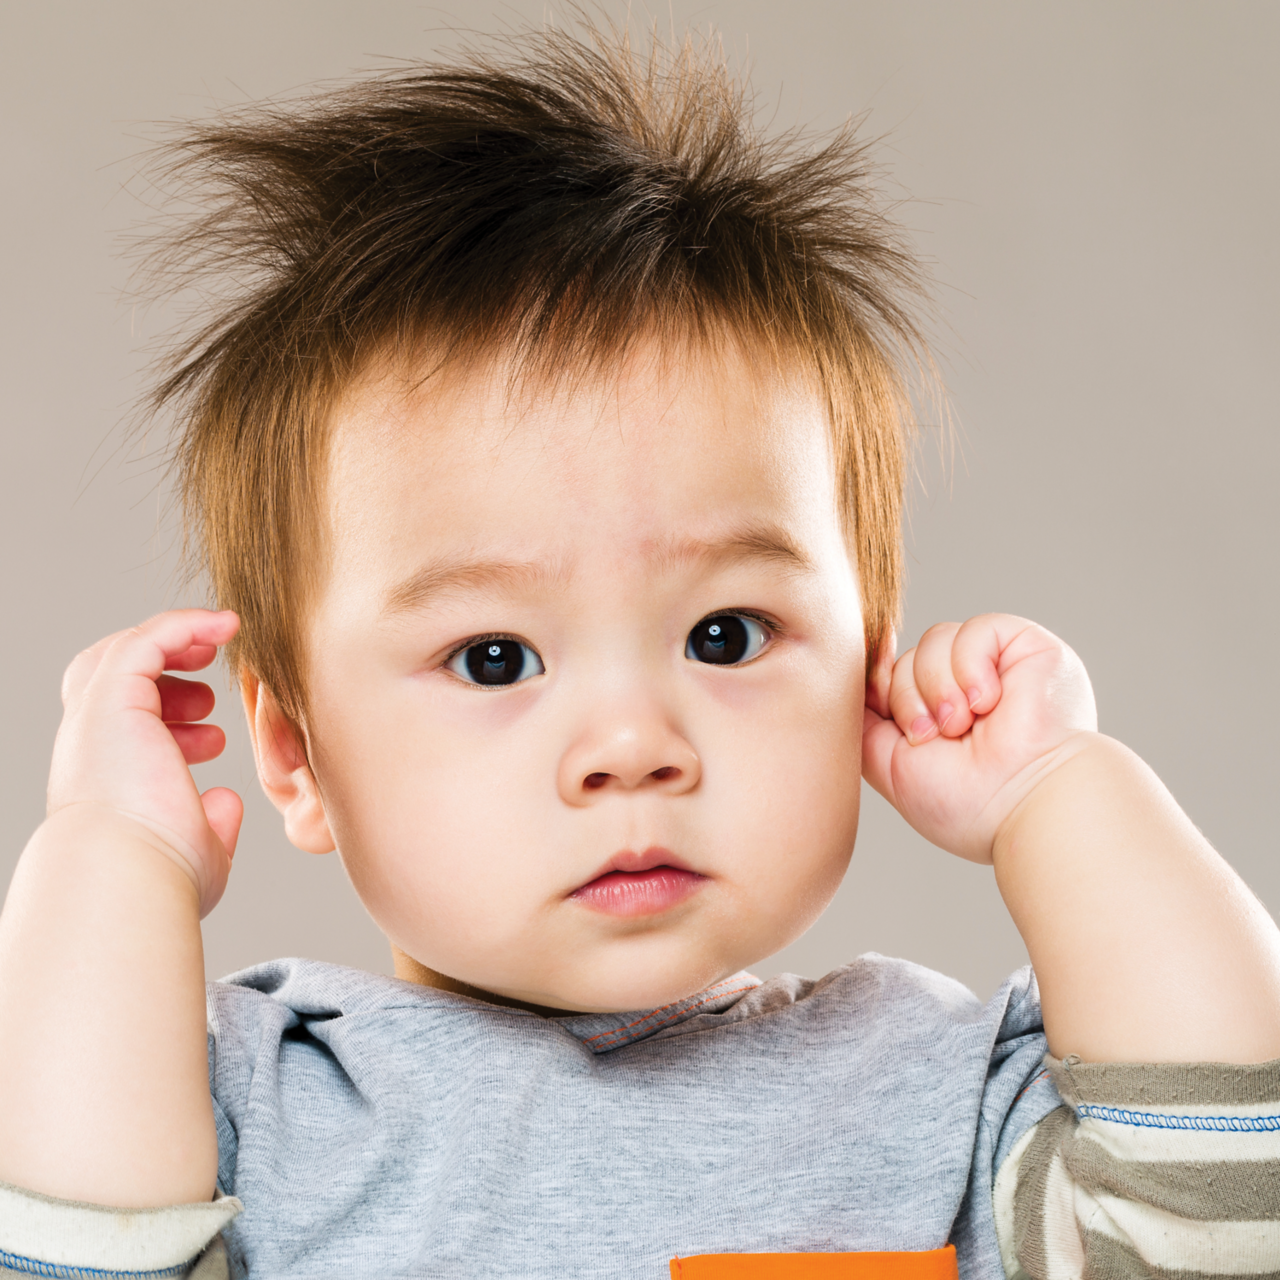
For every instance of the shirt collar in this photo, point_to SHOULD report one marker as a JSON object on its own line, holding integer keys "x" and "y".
{"x": 602, "y": 1032}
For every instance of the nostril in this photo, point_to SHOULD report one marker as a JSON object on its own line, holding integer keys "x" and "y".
{"x": 665, "y": 773}
{"x": 594, "y": 781}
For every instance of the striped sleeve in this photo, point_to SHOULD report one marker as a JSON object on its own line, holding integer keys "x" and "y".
{"x": 1168, "y": 1171}
{"x": 41, "y": 1236}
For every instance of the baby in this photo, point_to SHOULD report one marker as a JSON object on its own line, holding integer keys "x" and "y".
{"x": 547, "y": 461}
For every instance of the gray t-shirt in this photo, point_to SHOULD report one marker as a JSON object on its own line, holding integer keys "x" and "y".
{"x": 375, "y": 1127}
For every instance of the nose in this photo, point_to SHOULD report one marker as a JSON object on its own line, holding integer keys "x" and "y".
{"x": 628, "y": 750}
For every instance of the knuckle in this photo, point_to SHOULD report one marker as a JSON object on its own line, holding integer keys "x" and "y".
{"x": 77, "y": 674}
{"x": 939, "y": 631}
{"x": 905, "y": 699}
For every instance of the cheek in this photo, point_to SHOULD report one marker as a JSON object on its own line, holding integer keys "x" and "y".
{"x": 786, "y": 780}
{"x": 428, "y": 814}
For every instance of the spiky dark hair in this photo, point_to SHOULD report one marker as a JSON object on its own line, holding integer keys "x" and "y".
{"x": 554, "y": 200}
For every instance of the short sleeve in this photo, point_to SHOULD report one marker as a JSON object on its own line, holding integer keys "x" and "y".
{"x": 1017, "y": 1094}
{"x": 1147, "y": 1170}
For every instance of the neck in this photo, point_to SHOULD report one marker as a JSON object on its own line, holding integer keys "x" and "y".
{"x": 410, "y": 970}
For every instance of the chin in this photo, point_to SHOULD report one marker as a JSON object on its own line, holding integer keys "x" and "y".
{"x": 638, "y": 977}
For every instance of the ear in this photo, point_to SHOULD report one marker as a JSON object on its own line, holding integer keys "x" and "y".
{"x": 283, "y": 770}
{"x": 880, "y": 674}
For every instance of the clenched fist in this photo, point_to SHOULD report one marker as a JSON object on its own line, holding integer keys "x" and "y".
{"x": 966, "y": 724}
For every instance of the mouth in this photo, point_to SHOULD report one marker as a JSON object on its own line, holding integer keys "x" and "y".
{"x": 639, "y": 884}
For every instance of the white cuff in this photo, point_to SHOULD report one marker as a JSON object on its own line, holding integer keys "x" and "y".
{"x": 65, "y": 1233}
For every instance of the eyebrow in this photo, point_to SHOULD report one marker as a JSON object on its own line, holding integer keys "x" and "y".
{"x": 502, "y": 577}
{"x": 496, "y": 577}
{"x": 767, "y": 542}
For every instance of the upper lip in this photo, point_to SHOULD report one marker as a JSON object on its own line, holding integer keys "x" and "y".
{"x": 632, "y": 863}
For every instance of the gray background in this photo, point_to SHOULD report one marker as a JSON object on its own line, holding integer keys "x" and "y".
{"x": 1096, "y": 184}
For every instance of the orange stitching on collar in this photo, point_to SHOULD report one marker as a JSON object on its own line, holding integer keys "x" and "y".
{"x": 713, "y": 994}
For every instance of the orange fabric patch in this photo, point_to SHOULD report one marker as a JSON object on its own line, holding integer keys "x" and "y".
{"x": 937, "y": 1264}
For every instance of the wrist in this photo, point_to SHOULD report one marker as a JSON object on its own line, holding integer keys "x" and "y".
{"x": 1037, "y": 790}
{"x": 1146, "y": 945}
{"x": 104, "y": 1091}
{"x": 105, "y": 837}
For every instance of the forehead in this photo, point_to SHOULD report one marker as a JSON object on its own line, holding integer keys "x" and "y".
{"x": 691, "y": 444}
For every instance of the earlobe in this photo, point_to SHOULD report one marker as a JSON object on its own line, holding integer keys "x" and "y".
{"x": 283, "y": 769}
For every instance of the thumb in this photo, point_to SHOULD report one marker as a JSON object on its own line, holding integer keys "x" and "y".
{"x": 880, "y": 736}
{"x": 223, "y": 810}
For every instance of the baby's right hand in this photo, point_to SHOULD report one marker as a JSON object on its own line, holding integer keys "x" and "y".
{"x": 128, "y": 734}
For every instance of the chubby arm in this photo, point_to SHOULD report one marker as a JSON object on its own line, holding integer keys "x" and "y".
{"x": 104, "y": 1093}
{"x": 1147, "y": 946}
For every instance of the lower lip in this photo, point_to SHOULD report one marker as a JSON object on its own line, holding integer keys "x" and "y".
{"x": 638, "y": 893}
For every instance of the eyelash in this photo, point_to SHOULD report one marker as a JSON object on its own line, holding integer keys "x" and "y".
{"x": 484, "y": 639}
{"x": 773, "y": 630}
{"x": 770, "y": 631}
{"x": 773, "y": 627}
{"x": 493, "y": 666}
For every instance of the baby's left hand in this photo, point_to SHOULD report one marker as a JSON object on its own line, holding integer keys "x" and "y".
{"x": 970, "y": 720}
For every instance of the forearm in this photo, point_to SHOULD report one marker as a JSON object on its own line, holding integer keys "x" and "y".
{"x": 104, "y": 1093}
{"x": 1147, "y": 946}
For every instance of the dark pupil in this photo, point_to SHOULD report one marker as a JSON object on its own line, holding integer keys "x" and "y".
{"x": 495, "y": 661}
{"x": 721, "y": 639}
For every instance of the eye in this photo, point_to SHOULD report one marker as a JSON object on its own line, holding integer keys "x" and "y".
{"x": 495, "y": 661}
{"x": 726, "y": 639}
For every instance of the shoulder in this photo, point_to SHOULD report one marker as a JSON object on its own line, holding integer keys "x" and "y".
{"x": 879, "y": 1006}
{"x": 292, "y": 991}
{"x": 875, "y": 988}
{"x": 873, "y": 981}
{"x": 254, "y": 1013}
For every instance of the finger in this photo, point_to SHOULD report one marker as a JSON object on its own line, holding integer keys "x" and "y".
{"x": 184, "y": 699}
{"x": 136, "y": 658}
{"x": 81, "y": 668}
{"x": 224, "y": 811}
{"x": 908, "y": 707}
{"x": 936, "y": 682}
{"x": 199, "y": 742}
{"x": 195, "y": 659}
{"x": 976, "y": 654}
{"x": 192, "y": 658}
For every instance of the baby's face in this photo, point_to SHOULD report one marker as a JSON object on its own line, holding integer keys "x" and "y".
{"x": 587, "y": 676}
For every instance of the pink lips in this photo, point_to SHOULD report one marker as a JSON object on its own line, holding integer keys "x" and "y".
{"x": 639, "y": 884}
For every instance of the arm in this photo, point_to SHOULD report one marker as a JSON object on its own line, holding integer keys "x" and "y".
{"x": 104, "y": 1093}
{"x": 1147, "y": 946}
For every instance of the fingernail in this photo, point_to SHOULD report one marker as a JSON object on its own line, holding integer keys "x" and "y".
{"x": 975, "y": 696}
{"x": 945, "y": 712}
{"x": 921, "y": 728}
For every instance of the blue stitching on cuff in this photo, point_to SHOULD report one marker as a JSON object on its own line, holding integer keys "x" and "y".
{"x": 59, "y": 1271}
{"x": 1154, "y": 1120}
